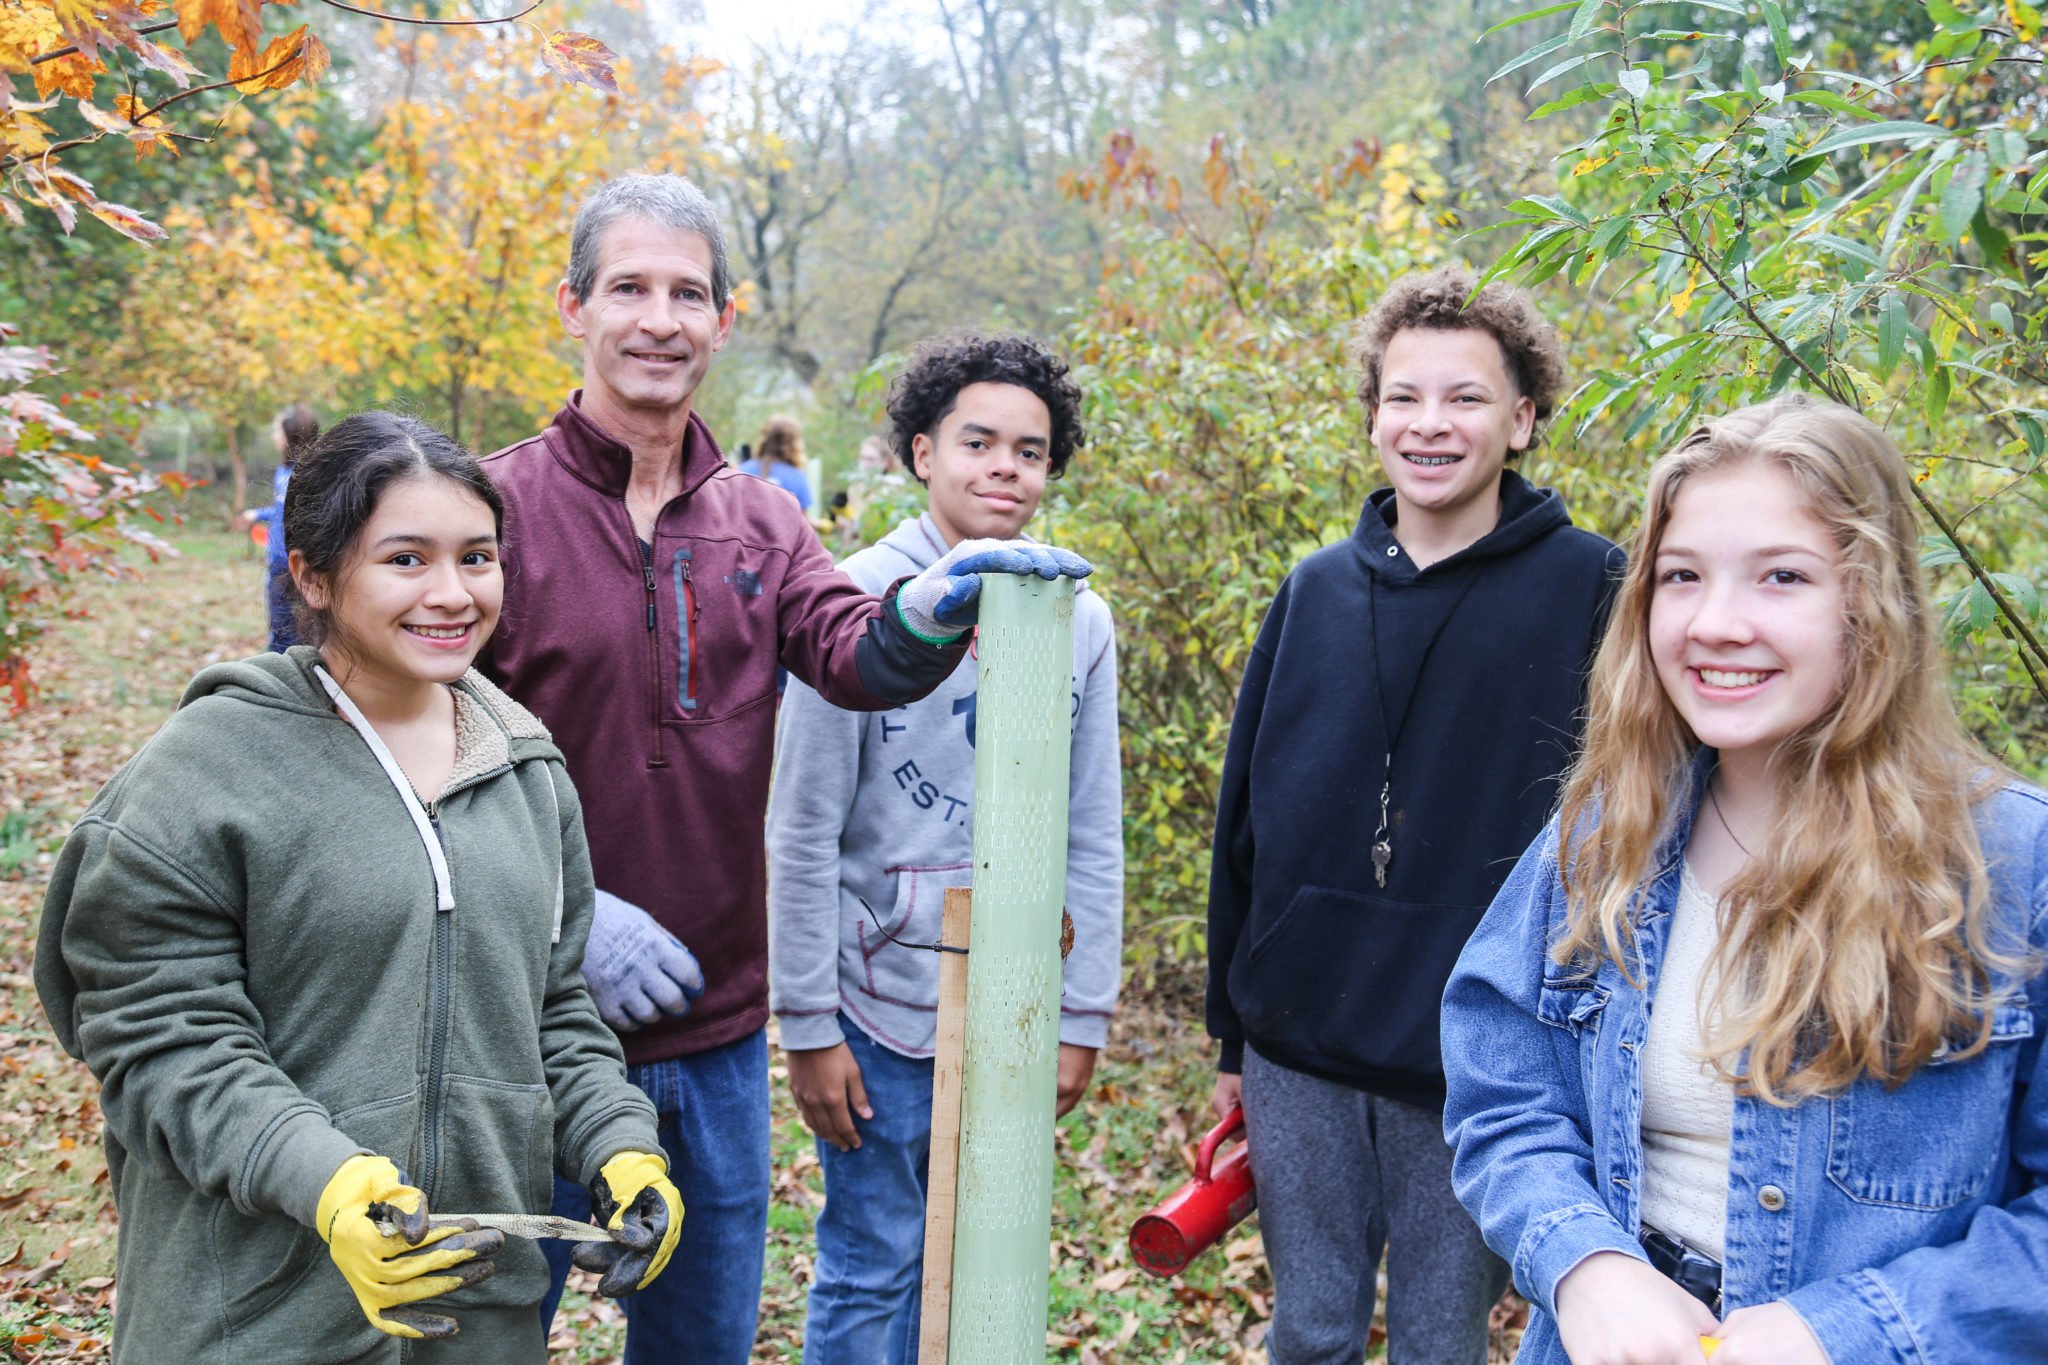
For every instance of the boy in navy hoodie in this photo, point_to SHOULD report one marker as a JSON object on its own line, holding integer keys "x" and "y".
{"x": 878, "y": 807}
{"x": 1407, "y": 711}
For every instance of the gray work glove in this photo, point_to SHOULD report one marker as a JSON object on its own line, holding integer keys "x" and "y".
{"x": 637, "y": 971}
{"x": 945, "y": 599}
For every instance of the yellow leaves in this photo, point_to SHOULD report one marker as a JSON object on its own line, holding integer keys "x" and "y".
{"x": 677, "y": 73}
{"x": 1927, "y": 468}
{"x": 1944, "y": 330}
{"x": 240, "y": 21}
{"x": 1171, "y": 199}
{"x": 1681, "y": 302}
{"x": 1363, "y": 158}
{"x": 581, "y": 58}
{"x": 430, "y": 270}
{"x": 1866, "y": 385}
{"x": 2024, "y": 19}
{"x": 26, "y": 32}
{"x": 86, "y": 24}
{"x": 22, "y": 133}
{"x": 297, "y": 56}
{"x": 73, "y": 76}
{"x": 148, "y": 131}
{"x": 1589, "y": 164}
{"x": 1216, "y": 169}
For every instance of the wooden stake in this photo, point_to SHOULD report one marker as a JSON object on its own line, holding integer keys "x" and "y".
{"x": 944, "y": 1169}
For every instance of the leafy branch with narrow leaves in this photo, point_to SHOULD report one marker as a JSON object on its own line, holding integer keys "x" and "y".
{"x": 1782, "y": 207}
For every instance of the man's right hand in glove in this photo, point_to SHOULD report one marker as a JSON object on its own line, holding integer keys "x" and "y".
{"x": 633, "y": 1198}
{"x": 637, "y": 971}
{"x": 390, "y": 1273}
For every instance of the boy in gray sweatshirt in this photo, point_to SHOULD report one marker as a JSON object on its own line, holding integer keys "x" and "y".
{"x": 879, "y": 807}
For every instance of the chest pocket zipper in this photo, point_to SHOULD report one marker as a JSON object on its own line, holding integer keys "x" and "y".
{"x": 687, "y": 612}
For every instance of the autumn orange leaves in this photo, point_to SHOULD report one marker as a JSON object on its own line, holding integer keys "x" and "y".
{"x": 70, "y": 48}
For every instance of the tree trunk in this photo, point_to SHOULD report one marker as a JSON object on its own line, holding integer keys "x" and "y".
{"x": 238, "y": 471}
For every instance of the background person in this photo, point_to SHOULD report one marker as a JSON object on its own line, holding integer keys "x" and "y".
{"x": 779, "y": 459}
{"x": 1769, "y": 1018}
{"x": 289, "y": 995}
{"x": 292, "y": 432}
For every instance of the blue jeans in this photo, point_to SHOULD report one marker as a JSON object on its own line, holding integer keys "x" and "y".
{"x": 712, "y": 1109}
{"x": 868, "y": 1287}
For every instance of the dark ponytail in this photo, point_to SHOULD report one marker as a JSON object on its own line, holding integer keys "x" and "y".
{"x": 299, "y": 428}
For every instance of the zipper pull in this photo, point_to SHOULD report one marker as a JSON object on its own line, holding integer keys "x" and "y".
{"x": 647, "y": 577}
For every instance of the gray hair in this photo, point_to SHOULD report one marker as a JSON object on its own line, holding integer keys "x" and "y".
{"x": 668, "y": 201}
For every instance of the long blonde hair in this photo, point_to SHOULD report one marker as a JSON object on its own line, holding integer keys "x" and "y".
{"x": 1858, "y": 941}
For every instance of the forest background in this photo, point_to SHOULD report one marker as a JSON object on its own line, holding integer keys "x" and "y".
{"x": 1195, "y": 198}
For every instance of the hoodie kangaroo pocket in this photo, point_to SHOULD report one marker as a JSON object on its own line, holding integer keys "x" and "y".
{"x": 280, "y": 1292}
{"x": 1355, "y": 977}
{"x": 498, "y": 1157}
{"x": 261, "y": 1260}
{"x": 918, "y": 916}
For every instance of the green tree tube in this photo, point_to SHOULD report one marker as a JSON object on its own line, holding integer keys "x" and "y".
{"x": 1023, "y": 720}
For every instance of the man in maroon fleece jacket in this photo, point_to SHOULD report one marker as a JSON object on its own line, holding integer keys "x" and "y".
{"x": 650, "y": 593}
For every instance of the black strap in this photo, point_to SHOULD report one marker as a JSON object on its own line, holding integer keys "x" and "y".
{"x": 1393, "y": 732}
{"x": 1383, "y": 836}
{"x": 1695, "y": 1272}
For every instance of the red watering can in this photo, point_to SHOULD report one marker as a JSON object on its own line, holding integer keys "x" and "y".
{"x": 1194, "y": 1217}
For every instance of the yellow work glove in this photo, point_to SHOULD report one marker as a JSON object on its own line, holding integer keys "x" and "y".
{"x": 632, "y": 1196}
{"x": 388, "y": 1272}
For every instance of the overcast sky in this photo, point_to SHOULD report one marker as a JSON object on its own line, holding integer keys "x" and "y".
{"x": 728, "y": 29}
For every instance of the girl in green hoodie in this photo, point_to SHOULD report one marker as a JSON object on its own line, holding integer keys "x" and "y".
{"x": 327, "y": 928}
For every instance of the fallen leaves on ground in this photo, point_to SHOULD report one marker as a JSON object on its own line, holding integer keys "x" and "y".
{"x": 114, "y": 675}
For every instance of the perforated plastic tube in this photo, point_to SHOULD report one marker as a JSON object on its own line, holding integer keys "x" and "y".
{"x": 1023, "y": 736}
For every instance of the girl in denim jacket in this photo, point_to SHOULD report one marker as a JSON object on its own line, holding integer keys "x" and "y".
{"x": 1828, "y": 1140}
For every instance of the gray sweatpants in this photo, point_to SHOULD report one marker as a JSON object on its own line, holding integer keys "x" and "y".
{"x": 1340, "y": 1175}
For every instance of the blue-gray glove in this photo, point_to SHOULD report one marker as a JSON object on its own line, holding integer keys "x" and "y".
{"x": 945, "y": 599}
{"x": 637, "y": 971}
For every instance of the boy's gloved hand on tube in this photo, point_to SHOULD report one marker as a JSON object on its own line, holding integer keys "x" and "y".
{"x": 637, "y": 971}
{"x": 387, "y": 1274}
{"x": 632, "y": 1197}
{"x": 945, "y": 599}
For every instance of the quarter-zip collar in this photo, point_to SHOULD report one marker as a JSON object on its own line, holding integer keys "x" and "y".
{"x": 597, "y": 458}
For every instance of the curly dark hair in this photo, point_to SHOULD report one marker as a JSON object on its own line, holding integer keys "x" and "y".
{"x": 1447, "y": 300}
{"x": 926, "y": 391}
